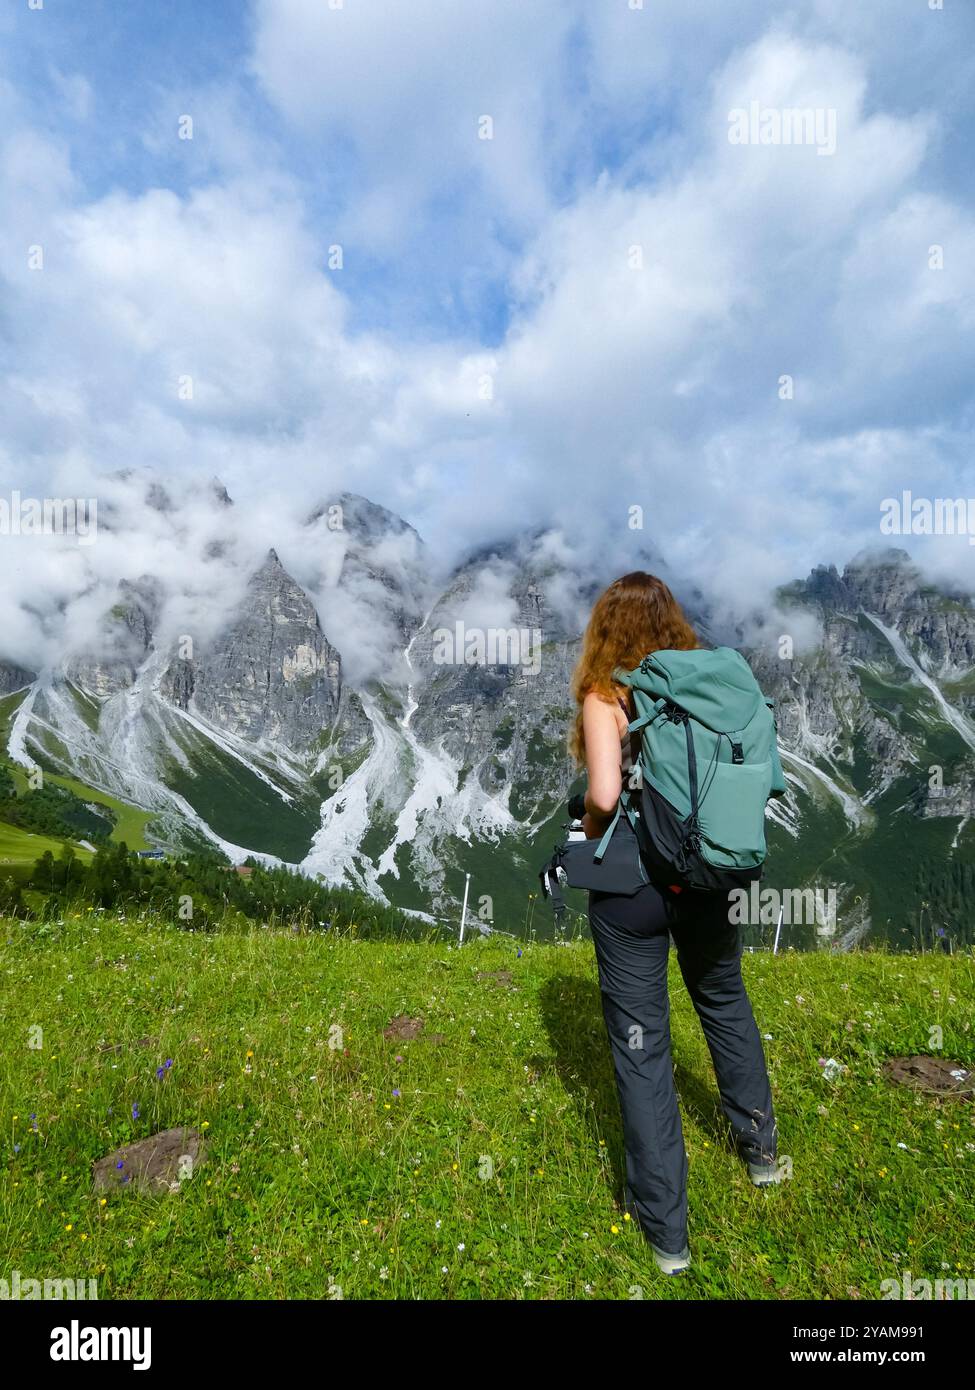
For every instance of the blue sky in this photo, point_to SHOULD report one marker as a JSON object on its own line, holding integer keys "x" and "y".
{"x": 488, "y": 358}
{"x": 144, "y": 65}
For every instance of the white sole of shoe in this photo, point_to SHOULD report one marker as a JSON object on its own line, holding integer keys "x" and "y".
{"x": 671, "y": 1264}
{"x": 761, "y": 1176}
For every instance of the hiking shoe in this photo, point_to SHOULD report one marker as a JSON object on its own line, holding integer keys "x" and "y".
{"x": 766, "y": 1174}
{"x": 671, "y": 1264}
{"x": 665, "y": 1262}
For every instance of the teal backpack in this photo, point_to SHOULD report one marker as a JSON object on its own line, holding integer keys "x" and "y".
{"x": 709, "y": 761}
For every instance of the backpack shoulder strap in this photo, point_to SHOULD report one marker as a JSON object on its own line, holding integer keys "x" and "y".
{"x": 644, "y": 719}
{"x": 607, "y": 835}
{"x": 624, "y": 805}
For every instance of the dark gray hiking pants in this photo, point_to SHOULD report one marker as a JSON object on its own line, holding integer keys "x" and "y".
{"x": 632, "y": 940}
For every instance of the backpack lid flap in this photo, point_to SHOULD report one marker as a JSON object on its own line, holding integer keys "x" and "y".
{"x": 716, "y": 687}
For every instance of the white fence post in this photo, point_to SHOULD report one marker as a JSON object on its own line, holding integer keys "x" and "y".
{"x": 463, "y": 911}
{"x": 778, "y": 929}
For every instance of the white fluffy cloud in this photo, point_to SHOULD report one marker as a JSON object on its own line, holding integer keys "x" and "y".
{"x": 607, "y": 384}
{"x": 407, "y": 85}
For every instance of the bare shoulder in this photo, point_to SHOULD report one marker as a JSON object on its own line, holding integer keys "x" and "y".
{"x": 599, "y": 711}
{"x": 595, "y": 704}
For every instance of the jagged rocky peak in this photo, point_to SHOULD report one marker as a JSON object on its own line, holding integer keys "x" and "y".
{"x": 882, "y": 581}
{"x": 937, "y": 622}
{"x": 825, "y": 587}
{"x": 554, "y": 586}
{"x": 158, "y": 498}
{"x": 525, "y": 578}
{"x": 139, "y": 604}
{"x": 14, "y": 677}
{"x": 271, "y": 674}
{"x": 885, "y": 582}
{"x": 219, "y": 493}
{"x": 147, "y": 483}
{"x": 361, "y": 518}
{"x": 374, "y": 556}
{"x": 503, "y": 714}
{"x": 113, "y": 656}
{"x": 129, "y": 492}
{"x": 535, "y": 583}
{"x": 823, "y": 706}
{"x": 938, "y": 625}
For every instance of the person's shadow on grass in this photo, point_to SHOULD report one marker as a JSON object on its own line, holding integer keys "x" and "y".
{"x": 572, "y": 1012}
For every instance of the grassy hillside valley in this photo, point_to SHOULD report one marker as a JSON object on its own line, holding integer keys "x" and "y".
{"x": 413, "y": 1119}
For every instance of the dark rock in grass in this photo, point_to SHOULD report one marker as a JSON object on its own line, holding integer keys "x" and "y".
{"x": 502, "y": 978}
{"x": 935, "y": 1076}
{"x": 402, "y": 1029}
{"x": 156, "y": 1164}
{"x": 120, "y": 1047}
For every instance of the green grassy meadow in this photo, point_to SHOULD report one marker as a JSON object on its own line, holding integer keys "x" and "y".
{"x": 21, "y": 848}
{"x": 482, "y": 1158}
{"x": 130, "y": 821}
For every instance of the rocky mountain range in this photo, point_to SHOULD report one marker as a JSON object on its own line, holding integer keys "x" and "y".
{"x": 332, "y": 718}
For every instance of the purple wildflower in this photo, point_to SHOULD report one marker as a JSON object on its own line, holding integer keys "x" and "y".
{"x": 135, "y": 1110}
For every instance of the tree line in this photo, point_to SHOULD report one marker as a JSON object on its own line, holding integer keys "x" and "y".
{"x": 200, "y": 892}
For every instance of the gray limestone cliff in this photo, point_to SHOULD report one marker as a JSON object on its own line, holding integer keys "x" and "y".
{"x": 272, "y": 674}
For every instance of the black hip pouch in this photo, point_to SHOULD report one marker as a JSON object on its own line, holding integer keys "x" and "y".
{"x": 621, "y": 870}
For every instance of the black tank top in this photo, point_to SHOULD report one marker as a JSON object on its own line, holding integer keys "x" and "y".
{"x": 630, "y": 746}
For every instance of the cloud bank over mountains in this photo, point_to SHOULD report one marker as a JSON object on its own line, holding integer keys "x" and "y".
{"x": 591, "y": 311}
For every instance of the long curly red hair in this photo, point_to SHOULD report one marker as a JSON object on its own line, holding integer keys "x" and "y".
{"x": 636, "y": 615}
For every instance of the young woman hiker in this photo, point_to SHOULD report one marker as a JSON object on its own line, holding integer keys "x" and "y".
{"x": 637, "y": 615}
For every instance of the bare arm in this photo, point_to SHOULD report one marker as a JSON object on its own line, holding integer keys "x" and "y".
{"x": 602, "y": 738}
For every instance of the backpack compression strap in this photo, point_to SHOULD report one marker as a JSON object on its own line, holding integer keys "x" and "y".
{"x": 607, "y": 834}
{"x": 632, "y": 815}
